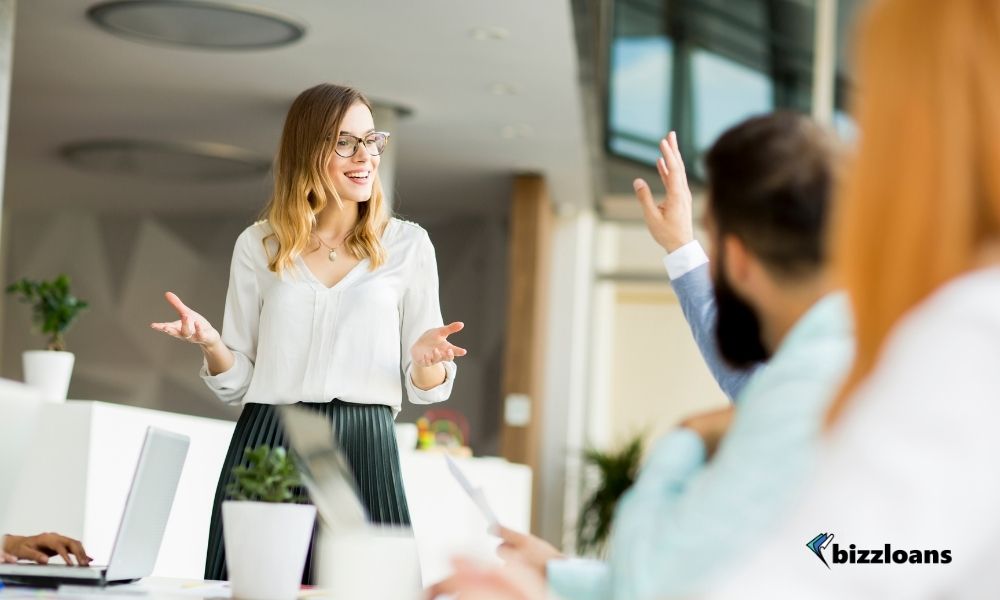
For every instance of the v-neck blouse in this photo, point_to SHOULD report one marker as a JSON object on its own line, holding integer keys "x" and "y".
{"x": 296, "y": 340}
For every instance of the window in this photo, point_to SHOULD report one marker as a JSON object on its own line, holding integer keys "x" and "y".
{"x": 640, "y": 101}
{"x": 724, "y": 92}
{"x": 700, "y": 66}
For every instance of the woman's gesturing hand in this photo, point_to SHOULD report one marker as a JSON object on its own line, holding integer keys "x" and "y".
{"x": 190, "y": 327}
{"x": 433, "y": 346}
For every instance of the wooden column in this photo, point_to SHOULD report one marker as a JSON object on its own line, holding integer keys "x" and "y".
{"x": 531, "y": 225}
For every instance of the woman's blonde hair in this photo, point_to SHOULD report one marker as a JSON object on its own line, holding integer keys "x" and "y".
{"x": 923, "y": 193}
{"x": 302, "y": 184}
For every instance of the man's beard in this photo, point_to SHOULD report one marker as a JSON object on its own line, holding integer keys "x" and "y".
{"x": 737, "y": 328}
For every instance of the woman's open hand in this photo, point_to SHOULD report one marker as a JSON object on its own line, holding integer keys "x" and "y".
{"x": 433, "y": 346}
{"x": 190, "y": 327}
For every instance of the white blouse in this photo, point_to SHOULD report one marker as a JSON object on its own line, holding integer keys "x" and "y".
{"x": 295, "y": 340}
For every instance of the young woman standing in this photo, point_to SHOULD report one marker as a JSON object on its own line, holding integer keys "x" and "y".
{"x": 330, "y": 299}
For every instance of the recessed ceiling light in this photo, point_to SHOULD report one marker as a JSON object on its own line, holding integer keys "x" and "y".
{"x": 511, "y": 132}
{"x": 504, "y": 89}
{"x": 214, "y": 25}
{"x": 174, "y": 161}
{"x": 483, "y": 34}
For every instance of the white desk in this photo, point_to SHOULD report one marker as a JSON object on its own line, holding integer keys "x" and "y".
{"x": 87, "y": 450}
{"x": 76, "y": 478}
{"x": 152, "y": 588}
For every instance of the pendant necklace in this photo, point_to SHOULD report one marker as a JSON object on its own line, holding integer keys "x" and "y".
{"x": 332, "y": 255}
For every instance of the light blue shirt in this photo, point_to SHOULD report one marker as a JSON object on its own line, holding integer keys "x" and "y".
{"x": 685, "y": 519}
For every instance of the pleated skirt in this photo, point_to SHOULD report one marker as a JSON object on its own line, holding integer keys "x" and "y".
{"x": 367, "y": 437}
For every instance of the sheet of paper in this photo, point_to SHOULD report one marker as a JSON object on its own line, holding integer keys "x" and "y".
{"x": 474, "y": 492}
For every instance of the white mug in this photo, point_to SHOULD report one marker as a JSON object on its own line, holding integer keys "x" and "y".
{"x": 377, "y": 562}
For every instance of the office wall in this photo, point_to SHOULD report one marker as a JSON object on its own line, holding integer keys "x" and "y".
{"x": 6, "y": 73}
{"x": 472, "y": 268}
{"x": 123, "y": 263}
{"x": 658, "y": 376}
{"x": 652, "y": 374}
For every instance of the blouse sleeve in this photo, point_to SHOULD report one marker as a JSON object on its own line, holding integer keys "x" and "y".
{"x": 421, "y": 310}
{"x": 239, "y": 326}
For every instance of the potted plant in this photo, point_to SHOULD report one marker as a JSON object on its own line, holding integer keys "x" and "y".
{"x": 265, "y": 527}
{"x": 54, "y": 309}
{"x": 617, "y": 471}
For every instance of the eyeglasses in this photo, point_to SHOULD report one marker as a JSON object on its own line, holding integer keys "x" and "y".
{"x": 347, "y": 144}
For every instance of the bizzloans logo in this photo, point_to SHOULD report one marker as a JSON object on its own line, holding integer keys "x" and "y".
{"x": 852, "y": 555}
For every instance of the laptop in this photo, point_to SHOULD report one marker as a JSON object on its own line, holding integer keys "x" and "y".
{"x": 324, "y": 469}
{"x": 143, "y": 523}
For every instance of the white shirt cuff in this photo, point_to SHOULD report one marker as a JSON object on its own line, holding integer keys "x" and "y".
{"x": 234, "y": 378}
{"x": 440, "y": 393}
{"x": 685, "y": 259}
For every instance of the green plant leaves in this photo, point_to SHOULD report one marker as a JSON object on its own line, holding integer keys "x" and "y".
{"x": 54, "y": 308}
{"x": 270, "y": 476}
{"x": 618, "y": 470}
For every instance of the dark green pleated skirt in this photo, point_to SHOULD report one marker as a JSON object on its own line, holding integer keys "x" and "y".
{"x": 367, "y": 436}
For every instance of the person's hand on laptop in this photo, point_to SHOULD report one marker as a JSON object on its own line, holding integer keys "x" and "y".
{"x": 41, "y": 547}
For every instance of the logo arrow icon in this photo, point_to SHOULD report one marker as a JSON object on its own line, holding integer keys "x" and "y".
{"x": 818, "y": 544}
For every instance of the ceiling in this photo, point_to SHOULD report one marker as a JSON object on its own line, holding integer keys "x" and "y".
{"x": 73, "y": 81}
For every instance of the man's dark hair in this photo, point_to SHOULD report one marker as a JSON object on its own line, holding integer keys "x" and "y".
{"x": 771, "y": 182}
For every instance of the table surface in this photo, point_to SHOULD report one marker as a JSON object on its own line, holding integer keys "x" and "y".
{"x": 151, "y": 588}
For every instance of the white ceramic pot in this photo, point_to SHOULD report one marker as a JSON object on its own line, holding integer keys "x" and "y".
{"x": 49, "y": 371}
{"x": 374, "y": 563}
{"x": 266, "y": 547}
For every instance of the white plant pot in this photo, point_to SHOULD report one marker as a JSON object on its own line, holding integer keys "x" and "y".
{"x": 266, "y": 547}
{"x": 49, "y": 371}
{"x": 355, "y": 564}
